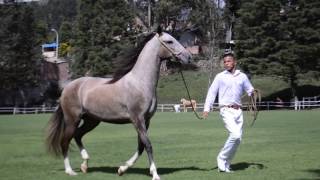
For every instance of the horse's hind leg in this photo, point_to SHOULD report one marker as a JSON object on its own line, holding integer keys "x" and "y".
{"x": 87, "y": 126}
{"x": 68, "y": 134}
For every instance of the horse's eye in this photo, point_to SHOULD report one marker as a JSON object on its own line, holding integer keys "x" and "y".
{"x": 169, "y": 42}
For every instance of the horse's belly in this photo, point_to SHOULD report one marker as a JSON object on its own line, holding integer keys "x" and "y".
{"x": 115, "y": 119}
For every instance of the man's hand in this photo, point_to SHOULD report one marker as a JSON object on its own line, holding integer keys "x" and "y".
{"x": 205, "y": 114}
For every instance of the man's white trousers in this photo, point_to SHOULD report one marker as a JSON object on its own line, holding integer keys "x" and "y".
{"x": 233, "y": 122}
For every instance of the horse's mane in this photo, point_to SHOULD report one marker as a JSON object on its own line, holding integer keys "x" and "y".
{"x": 126, "y": 61}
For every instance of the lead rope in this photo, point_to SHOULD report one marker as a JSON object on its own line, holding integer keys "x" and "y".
{"x": 185, "y": 84}
{"x": 184, "y": 81}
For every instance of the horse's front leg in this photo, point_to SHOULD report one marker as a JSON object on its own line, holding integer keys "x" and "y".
{"x": 122, "y": 169}
{"x": 142, "y": 133}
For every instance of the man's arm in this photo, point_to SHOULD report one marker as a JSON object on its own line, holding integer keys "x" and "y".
{"x": 248, "y": 86}
{"x": 211, "y": 96}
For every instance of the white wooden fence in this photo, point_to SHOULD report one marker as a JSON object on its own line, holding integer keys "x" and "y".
{"x": 266, "y": 105}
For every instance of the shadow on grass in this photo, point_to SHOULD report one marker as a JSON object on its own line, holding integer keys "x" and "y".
{"x": 315, "y": 172}
{"x": 113, "y": 170}
{"x": 245, "y": 165}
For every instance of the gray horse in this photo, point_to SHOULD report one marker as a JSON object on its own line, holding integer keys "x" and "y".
{"x": 129, "y": 97}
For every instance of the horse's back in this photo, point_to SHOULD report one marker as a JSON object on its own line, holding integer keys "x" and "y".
{"x": 88, "y": 81}
{"x": 72, "y": 91}
{"x": 97, "y": 99}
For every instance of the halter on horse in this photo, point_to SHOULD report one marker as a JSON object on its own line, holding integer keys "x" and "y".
{"x": 130, "y": 97}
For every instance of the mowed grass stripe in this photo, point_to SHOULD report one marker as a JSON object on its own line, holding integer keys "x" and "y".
{"x": 281, "y": 145}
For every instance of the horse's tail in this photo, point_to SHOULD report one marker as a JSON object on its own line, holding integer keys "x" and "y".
{"x": 55, "y": 132}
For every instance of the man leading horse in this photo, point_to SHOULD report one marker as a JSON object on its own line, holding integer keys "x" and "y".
{"x": 230, "y": 85}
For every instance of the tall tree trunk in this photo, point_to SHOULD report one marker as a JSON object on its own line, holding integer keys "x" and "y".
{"x": 293, "y": 86}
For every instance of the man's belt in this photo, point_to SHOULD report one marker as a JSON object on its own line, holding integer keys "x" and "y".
{"x": 234, "y": 106}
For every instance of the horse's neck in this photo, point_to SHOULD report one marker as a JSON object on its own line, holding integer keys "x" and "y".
{"x": 147, "y": 67}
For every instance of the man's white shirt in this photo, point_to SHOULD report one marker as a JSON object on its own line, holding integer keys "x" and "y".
{"x": 230, "y": 88}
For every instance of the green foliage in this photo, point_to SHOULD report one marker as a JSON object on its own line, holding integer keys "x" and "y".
{"x": 64, "y": 49}
{"x": 55, "y": 12}
{"x": 66, "y": 38}
{"x": 279, "y": 38}
{"x": 185, "y": 13}
{"x": 102, "y": 33}
{"x": 19, "y": 47}
{"x": 66, "y": 32}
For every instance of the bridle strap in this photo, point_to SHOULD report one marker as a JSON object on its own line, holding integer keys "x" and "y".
{"x": 169, "y": 49}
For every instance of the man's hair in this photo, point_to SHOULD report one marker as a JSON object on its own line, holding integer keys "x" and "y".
{"x": 228, "y": 54}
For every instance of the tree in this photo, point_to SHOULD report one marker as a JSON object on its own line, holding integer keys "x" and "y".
{"x": 19, "y": 47}
{"x": 279, "y": 38}
{"x": 198, "y": 13}
{"x": 55, "y": 12}
{"x": 66, "y": 38}
{"x": 103, "y": 31}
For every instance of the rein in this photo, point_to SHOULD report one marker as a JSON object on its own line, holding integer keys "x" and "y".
{"x": 185, "y": 84}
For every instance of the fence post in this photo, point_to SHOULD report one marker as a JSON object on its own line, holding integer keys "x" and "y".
{"x": 43, "y": 108}
{"x": 268, "y": 105}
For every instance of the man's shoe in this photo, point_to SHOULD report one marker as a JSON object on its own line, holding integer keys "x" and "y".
{"x": 227, "y": 170}
{"x": 221, "y": 163}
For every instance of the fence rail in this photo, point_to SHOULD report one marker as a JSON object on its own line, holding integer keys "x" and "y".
{"x": 266, "y": 105}
{"x": 26, "y": 110}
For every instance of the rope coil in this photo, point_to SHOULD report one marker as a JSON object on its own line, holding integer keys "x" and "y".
{"x": 252, "y": 105}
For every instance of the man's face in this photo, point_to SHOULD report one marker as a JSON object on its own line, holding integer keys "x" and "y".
{"x": 229, "y": 63}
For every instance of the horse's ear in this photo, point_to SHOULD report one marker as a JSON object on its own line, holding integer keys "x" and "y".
{"x": 159, "y": 30}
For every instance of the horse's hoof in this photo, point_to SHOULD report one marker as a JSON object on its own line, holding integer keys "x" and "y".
{"x": 156, "y": 177}
{"x": 84, "y": 168}
{"x": 121, "y": 170}
{"x": 71, "y": 173}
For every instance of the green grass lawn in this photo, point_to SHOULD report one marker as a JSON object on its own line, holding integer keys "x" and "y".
{"x": 281, "y": 145}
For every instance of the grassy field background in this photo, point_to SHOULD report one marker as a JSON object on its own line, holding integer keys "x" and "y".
{"x": 281, "y": 145}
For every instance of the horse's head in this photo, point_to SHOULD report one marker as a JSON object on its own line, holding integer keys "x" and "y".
{"x": 171, "y": 47}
